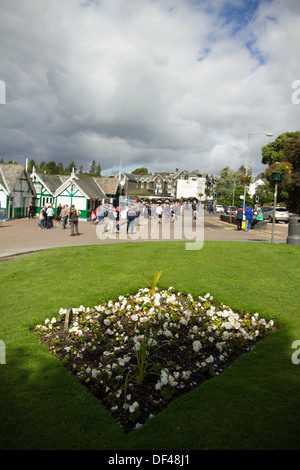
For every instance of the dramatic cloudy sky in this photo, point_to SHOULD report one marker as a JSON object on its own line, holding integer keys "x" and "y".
{"x": 163, "y": 84}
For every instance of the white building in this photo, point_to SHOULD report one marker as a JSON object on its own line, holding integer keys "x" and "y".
{"x": 193, "y": 186}
{"x": 254, "y": 185}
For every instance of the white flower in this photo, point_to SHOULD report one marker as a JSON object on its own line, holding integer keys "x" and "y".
{"x": 134, "y": 317}
{"x": 95, "y": 373}
{"x": 186, "y": 374}
{"x": 210, "y": 359}
{"x": 168, "y": 333}
{"x": 197, "y": 346}
{"x": 133, "y": 407}
{"x": 172, "y": 381}
{"x": 164, "y": 377}
{"x": 107, "y": 321}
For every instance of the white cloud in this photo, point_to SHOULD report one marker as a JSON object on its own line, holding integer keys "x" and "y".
{"x": 173, "y": 84}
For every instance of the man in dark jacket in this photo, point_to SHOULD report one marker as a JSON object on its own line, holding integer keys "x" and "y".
{"x": 239, "y": 217}
{"x": 131, "y": 215}
{"x": 74, "y": 214}
{"x": 249, "y": 218}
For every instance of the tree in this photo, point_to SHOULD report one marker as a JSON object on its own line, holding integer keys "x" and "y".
{"x": 140, "y": 171}
{"x": 42, "y": 167}
{"x": 228, "y": 185}
{"x": 265, "y": 194}
{"x": 51, "y": 168}
{"x": 225, "y": 185}
{"x": 292, "y": 155}
{"x": 69, "y": 168}
{"x": 98, "y": 170}
{"x": 283, "y": 155}
{"x": 31, "y": 164}
{"x": 60, "y": 169}
{"x": 93, "y": 168}
{"x": 275, "y": 151}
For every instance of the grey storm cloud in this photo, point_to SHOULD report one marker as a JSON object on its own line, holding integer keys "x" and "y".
{"x": 173, "y": 84}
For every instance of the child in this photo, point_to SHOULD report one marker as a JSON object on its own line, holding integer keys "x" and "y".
{"x": 93, "y": 217}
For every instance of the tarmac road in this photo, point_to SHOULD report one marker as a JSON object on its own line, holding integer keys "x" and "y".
{"x": 23, "y": 236}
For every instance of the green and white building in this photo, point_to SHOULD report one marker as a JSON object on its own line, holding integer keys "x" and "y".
{"x": 82, "y": 191}
{"x": 85, "y": 192}
{"x": 16, "y": 190}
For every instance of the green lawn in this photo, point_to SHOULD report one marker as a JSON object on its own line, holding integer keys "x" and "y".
{"x": 254, "y": 404}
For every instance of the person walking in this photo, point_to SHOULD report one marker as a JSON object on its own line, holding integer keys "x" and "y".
{"x": 159, "y": 213}
{"x": 41, "y": 219}
{"x": 249, "y": 218}
{"x": 131, "y": 215}
{"x": 30, "y": 211}
{"x": 50, "y": 213}
{"x": 74, "y": 215}
{"x": 64, "y": 216}
{"x": 111, "y": 215}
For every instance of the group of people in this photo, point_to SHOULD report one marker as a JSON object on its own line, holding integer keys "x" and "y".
{"x": 251, "y": 219}
{"x": 167, "y": 212}
{"x": 63, "y": 216}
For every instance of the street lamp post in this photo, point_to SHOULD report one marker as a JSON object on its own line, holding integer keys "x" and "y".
{"x": 247, "y": 162}
{"x": 275, "y": 177}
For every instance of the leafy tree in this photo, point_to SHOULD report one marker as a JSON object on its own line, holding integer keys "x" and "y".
{"x": 31, "y": 164}
{"x": 229, "y": 183}
{"x": 51, "y": 168}
{"x": 140, "y": 171}
{"x": 69, "y": 168}
{"x": 284, "y": 155}
{"x": 292, "y": 155}
{"x": 225, "y": 185}
{"x": 98, "y": 170}
{"x": 275, "y": 151}
{"x": 42, "y": 167}
{"x": 60, "y": 169}
{"x": 265, "y": 194}
{"x": 93, "y": 168}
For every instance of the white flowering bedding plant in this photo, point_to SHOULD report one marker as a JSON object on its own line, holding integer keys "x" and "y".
{"x": 139, "y": 352}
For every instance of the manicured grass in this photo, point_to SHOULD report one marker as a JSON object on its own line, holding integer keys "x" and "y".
{"x": 254, "y": 404}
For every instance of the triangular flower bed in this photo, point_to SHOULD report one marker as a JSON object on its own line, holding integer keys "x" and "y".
{"x": 141, "y": 351}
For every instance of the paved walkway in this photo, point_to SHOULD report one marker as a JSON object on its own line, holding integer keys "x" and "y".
{"x": 23, "y": 236}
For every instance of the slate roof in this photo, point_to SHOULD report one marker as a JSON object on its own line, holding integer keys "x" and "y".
{"x": 89, "y": 186}
{"x": 52, "y": 182}
{"x": 11, "y": 172}
{"x": 109, "y": 185}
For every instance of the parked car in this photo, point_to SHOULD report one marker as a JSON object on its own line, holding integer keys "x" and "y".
{"x": 229, "y": 209}
{"x": 219, "y": 208}
{"x": 281, "y": 214}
